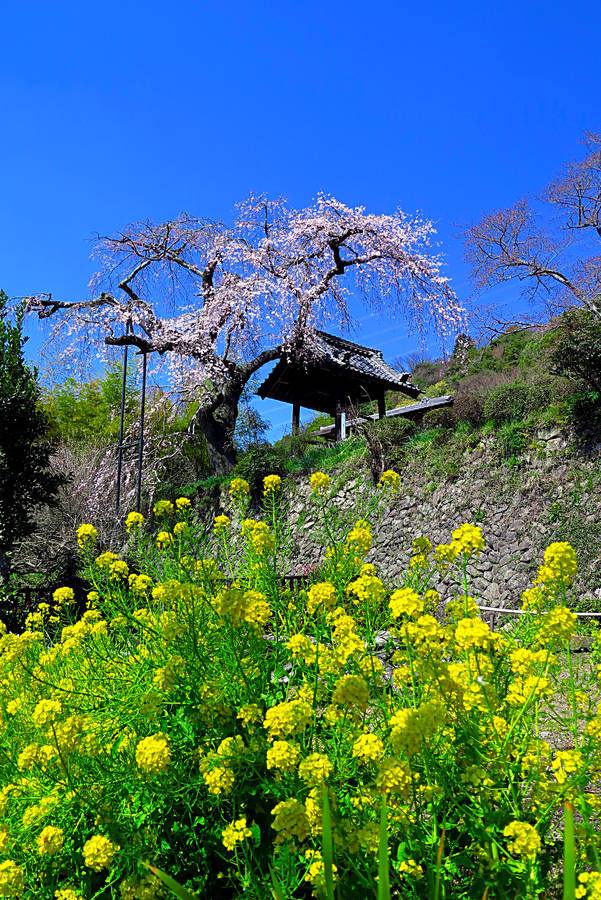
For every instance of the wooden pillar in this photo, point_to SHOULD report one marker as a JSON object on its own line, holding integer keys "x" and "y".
{"x": 295, "y": 418}
{"x": 381, "y": 406}
{"x": 340, "y": 420}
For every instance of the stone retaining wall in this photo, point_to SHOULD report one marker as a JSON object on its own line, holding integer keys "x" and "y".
{"x": 554, "y": 495}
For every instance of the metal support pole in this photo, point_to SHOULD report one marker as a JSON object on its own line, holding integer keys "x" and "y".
{"x": 141, "y": 437}
{"x": 121, "y": 425}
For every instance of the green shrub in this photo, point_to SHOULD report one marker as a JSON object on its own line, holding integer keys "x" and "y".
{"x": 516, "y": 401}
{"x": 577, "y": 353}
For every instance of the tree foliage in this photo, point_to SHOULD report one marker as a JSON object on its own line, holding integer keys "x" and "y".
{"x": 26, "y": 478}
{"x": 242, "y": 296}
{"x": 555, "y": 255}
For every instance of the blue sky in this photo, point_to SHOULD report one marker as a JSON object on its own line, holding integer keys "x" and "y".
{"x": 125, "y": 110}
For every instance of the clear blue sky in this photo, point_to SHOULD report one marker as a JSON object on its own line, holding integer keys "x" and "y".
{"x": 118, "y": 111}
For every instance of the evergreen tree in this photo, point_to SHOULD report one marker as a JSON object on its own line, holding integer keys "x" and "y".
{"x": 26, "y": 479}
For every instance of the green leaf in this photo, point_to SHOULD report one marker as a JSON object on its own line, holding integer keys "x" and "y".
{"x": 569, "y": 853}
{"x": 383, "y": 858}
{"x": 173, "y": 885}
{"x": 327, "y": 845}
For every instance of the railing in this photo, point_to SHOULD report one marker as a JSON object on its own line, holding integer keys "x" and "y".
{"x": 493, "y": 612}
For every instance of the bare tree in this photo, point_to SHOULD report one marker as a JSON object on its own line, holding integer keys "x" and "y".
{"x": 241, "y": 297}
{"x": 556, "y": 256}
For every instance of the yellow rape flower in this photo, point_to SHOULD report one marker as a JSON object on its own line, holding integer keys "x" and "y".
{"x": 468, "y": 539}
{"x": 12, "y": 879}
{"x": 315, "y": 768}
{"x": 474, "y": 634}
{"x": 557, "y": 626}
{"x": 589, "y": 886}
{"x": 221, "y": 523}
{"x": 524, "y": 839}
{"x": 410, "y": 869}
{"x": 164, "y": 539}
{"x": 359, "y": 538}
{"x": 239, "y": 488}
{"x": 391, "y": 480}
{"x": 367, "y": 589}
{"x": 63, "y": 596}
{"x": 86, "y": 534}
{"x": 351, "y": 690}
{"x": 368, "y": 748}
{"x": 182, "y": 503}
{"x": 271, "y": 484}
{"x": 99, "y": 852}
{"x": 163, "y": 508}
{"x": 566, "y": 763}
{"x": 290, "y": 821}
{"x": 316, "y": 872}
{"x": 405, "y": 602}
{"x": 153, "y": 754}
{"x": 320, "y": 482}
{"x": 50, "y": 840}
{"x": 283, "y": 756}
{"x": 235, "y": 833}
{"x": 133, "y": 520}
{"x": 287, "y": 718}
{"x": 46, "y": 712}
{"x": 559, "y": 564}
{"x": 322, "y": 594}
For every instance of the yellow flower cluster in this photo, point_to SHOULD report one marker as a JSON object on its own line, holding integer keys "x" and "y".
{"x": 559, "y": 564}
{"x": 290, "y": 821}
{"x": 163, "y": 508}
{"x": 359, "y": 538}
{"x": 235, "y": 833}
{"x": 589, "y": 886}
{"x": 221, "y": 523}
{"x": 368, "y": 748}
{"x": 524, "y": 839}
{"x": 405, "y": 602}
{"x": 283, "y": 756}
{"x": 261, "y": 538}
{"x": 86, "y": 534}
{"x": 63, "y": 596}
{"x": 290, "y": 717}
{"x": 367, "y": 589}
{"x": 239, "y": 488}
{"x": 557, "y": 626}
{"x": 46, "y": 712}
{"x": 468, "y": 539}
{"x": 321, "y": 596}
{"x": 474, "y": 634}
{"x": 351, "y": 690}
{"x": 320, "y": 482}
{"x": 12, "y": 879}
{"x": 271, "y": 484}
{"x": 133, "y": 520}
{"x": 315, "y": 768}
{"x": 238, "y": 606}
{"x": 50, "y": 840}
{"x": 391, "y": 480}
{"x": 99, "y": 852}
{"x": 153, "y": 754}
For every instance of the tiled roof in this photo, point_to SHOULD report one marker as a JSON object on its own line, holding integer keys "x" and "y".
{"x": 336, "y": 370}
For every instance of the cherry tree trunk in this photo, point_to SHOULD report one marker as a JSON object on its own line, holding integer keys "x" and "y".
{"x": 217, "y": 426}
